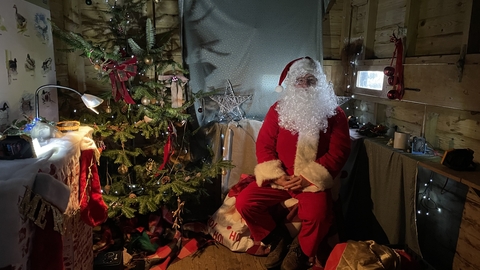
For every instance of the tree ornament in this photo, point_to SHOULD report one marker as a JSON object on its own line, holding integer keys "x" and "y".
{"x": 176, "y": 83}
{"x": 119, "y": 73}
{"x": 97, "y": 67}
{"x": 145, "y": 101}
{"x": 389, "y": 71}
{"x": 392, "y": 94}
{"x": 150, "y": 165}
{"x": 123, "y": 169}
{"x": 200, "y": 109}
{"x": 107, "y": 189}
{"x": 124, "y": 108}
{"x": 166, "y": 179}
{"x": 153, "y": 101}
{"x": 132, "y": 196}
{"x": 148, "y": 60}
{"x": 108, "y": 109}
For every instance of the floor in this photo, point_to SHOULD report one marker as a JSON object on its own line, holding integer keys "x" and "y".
{"x": 218, "y": 257}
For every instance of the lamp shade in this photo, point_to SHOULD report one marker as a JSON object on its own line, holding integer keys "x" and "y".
{"x": 91, "y": 101}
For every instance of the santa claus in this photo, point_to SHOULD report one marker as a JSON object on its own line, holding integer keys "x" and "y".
{"x": 301, "y": 147}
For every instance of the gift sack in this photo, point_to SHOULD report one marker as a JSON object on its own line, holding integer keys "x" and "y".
{"x": 363, "y": 255}
{"x": 227, "y": 227}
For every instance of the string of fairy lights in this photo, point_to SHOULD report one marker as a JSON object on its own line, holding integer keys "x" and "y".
{"x": 426, "y": 202}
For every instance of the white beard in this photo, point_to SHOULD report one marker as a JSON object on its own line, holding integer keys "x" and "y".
{"x": 306, "y": 110}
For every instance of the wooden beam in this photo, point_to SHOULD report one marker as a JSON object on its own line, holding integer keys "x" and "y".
{"x": 346, "y": 25}
{"x": 371, "y": 22}
{"x": 75, "y": 64}
{"x": 411, "y": 25}
{"x": 329, "y": 4}
{"x": 473, "y": 43}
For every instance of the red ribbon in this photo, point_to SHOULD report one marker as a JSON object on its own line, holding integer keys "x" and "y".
{"x": 119, "y": 74}
{"x": 167, "y": 148}
{"x": 398, "y": 76}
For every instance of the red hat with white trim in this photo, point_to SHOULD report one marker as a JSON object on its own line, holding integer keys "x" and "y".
{"x": 285, "y": 71}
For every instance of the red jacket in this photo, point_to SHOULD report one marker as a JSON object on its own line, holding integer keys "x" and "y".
{"x": 317, "y": 158}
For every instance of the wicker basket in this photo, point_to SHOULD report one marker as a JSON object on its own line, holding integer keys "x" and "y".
{"x": 66, "y": 126}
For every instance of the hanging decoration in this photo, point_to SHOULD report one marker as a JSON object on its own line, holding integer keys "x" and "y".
{"x": 176, "y": 84}
{"x": 122, "y": 169}
{"x": 168, "y": 146}
{"x": 395, "y": 74}
{"x": 230, "y": 104}
{"x": 119, "y": 74}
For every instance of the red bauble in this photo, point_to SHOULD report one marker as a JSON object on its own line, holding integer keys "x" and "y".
{"x": 390, "y": 80}
{"x": 392, "y": 94}
{"x": 389, "y": 71}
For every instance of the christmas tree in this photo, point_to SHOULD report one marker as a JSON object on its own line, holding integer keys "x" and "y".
{"x": 145, "y": 130}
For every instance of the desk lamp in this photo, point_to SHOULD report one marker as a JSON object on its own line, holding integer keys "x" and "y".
{"x": 90, "y": 101}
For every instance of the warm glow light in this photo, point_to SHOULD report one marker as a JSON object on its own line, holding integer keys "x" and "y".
{"x": 370, "y": 80}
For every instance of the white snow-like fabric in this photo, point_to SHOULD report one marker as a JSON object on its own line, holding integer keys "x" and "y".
{"x": 15, "y": 230}
{"x": 239, "y": 147}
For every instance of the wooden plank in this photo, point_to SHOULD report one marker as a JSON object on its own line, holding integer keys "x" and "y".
{"x": 169, "y": 7}
{"x": 76, "y": 73}
{"x": 447, "y": 91}
{"x": 369, "y": 33}
{"x": 390, "y": 13}
{"x": 412, "y": 12}
{"x": 435, "y": 8}
{"x": 359, "y": 14}
{"x": 448, "y": 44}
{"x": 346, "y": 28}
{"x": 430, "y": 128}
{"x": 453, "y": 24}
{"x": 468, "y": 245}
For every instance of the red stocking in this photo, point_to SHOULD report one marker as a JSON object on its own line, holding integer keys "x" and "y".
{"x": 92, "y": 207}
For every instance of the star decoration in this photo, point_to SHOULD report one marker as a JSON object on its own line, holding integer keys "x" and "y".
{"x": 342, "y": 100}
{"x": 230, "y": 104}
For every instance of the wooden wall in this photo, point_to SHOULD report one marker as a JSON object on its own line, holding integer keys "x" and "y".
{"x": 438, "y": 36}
{"x": 441, "y": 61}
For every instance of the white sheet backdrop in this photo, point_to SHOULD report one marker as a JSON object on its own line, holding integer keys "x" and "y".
{"x": 248, "y": 42}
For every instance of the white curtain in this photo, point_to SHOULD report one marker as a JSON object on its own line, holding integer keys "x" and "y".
{"x": 248, "y": 42}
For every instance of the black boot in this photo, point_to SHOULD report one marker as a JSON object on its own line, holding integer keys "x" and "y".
{"x": 279, "y": 240}
{"x": 295, "y": 259}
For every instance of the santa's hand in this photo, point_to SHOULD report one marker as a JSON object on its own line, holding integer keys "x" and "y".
{"x": 296, "y": 183}
{"x": 282, "y": 180}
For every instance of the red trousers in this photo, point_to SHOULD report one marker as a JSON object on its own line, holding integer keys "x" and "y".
{"x": 315, "y": 210}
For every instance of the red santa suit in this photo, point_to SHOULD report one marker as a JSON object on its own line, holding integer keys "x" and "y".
{"x": 318, "y": 158}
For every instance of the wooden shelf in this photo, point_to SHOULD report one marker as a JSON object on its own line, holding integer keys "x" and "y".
{"x": 469, "y": 178}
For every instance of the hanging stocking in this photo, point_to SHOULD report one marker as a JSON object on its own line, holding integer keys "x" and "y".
{"x": 92, "y": 207}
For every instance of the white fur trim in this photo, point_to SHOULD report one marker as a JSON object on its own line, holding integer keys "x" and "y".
{"x": 307, "y": 146}
{"x": 279, "y": 89}
{"x": 306, "y": 166}
{"x": 268, "y": 170}
{"x": 317, "y": 175}
{"x": 52, "y": 190}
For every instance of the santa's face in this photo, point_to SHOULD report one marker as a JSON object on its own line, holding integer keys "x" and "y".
{"x": 305, "y": 81}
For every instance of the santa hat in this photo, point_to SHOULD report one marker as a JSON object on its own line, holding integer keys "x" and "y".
{"x": 285, "y": 71}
